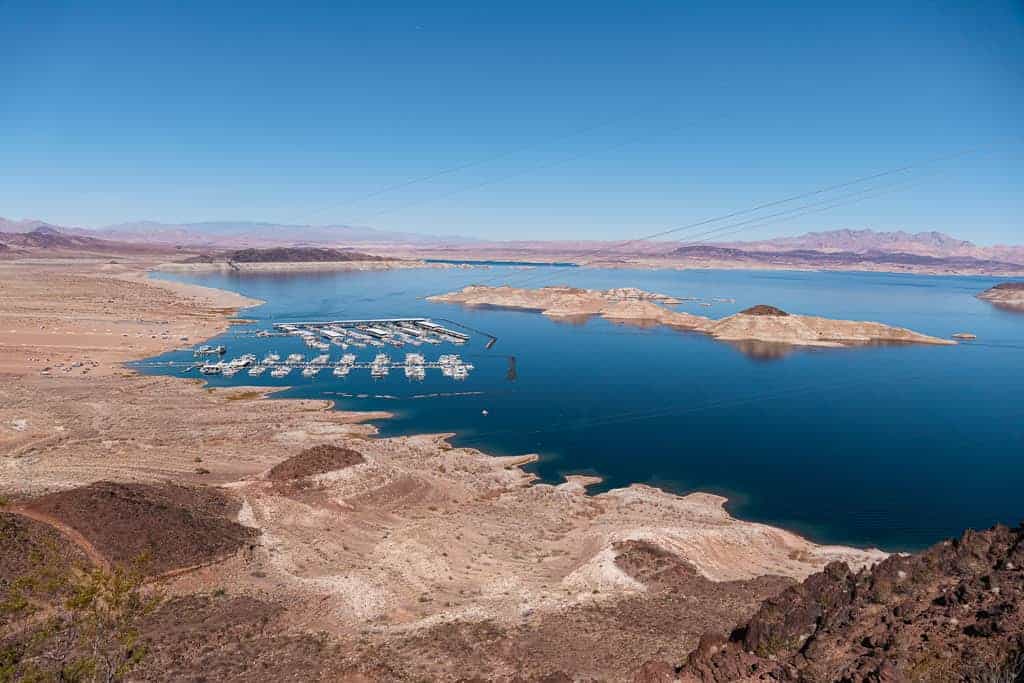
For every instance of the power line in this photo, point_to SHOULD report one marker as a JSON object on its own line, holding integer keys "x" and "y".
{"x": 479, "y": 162}
{"x": 532, "y": 169}
{"x": 760, "y": 207}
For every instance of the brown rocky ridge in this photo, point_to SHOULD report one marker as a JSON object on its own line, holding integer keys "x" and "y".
{"x": 50, "y": 241}
{"x": 954, "y": 612}
{"x": 165, "y": 525}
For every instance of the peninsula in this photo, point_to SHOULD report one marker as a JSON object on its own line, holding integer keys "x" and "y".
{"x": 1006, "y": 294}
{"x": 761, "y": 323}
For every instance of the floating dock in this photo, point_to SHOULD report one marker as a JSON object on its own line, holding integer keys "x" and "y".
{"x": 415, "y": 366}
{"x": 374, "y": 331}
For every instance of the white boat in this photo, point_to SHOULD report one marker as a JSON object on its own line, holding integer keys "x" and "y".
{"x": 280, "y": 371}
{"x": 296, "y": 358}
{"x": 257, "y": 370}
{"x": 230, "y": 370}
{"x": 210, "y": 351}
{"x": 341, "y": 370}
{"x": 211, "y": 369}
{"x": 310, "y": 371}
{"x": 348, "y": 358}
{"x": 415, "y": 372}
{"x": 414, "y": 359}
{"x": 322, "y": 359}
{"x": 381, "y": 365}
{"x": 271, "y": 359}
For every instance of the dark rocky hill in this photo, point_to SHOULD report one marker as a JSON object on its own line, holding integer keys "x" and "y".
{"x": 954, "y": 612}
{"x": 285, "y": 255}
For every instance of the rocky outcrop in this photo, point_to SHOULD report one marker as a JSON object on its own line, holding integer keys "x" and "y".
{"x": 763, "y": 309}
{"x": 316, "y": 460}
{"x": 285, "y": 255}
{"x": 806, "y": 330}
{"x": 761, "y": 323}
{"x": 1006, "y": 294}
{"x": 954, "y": 612}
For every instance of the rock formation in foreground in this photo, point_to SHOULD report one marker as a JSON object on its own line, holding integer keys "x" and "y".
{"x": 760, "y": 323}
{"x": 954, "y": 612}
{"x": 1008, "y": 294}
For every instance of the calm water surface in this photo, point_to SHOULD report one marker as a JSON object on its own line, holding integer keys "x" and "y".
{"x": 896, "y": 447}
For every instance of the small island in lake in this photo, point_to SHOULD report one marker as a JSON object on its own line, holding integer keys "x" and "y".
{"x": 760, "y": 323}
{"x": 1005, "y": 294}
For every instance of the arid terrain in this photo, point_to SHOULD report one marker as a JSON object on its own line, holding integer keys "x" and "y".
{"x": 287, "y": 542}
{"x": 1006, "y": 294}
{"x": 762, "y": 324}
{"x": 399, "y": 558}
{"x": 836, "y": 250}
{"x": 951, "y": 613}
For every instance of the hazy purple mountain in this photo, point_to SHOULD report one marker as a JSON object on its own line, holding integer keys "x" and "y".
{"x": 863, "y": 241}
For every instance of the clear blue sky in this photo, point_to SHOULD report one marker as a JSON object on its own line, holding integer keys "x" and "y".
{"x": 613, "y": 119}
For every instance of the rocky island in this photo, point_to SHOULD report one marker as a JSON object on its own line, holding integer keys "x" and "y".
{"x": 1006, "y": 294}
{"x": 761, "y": 323}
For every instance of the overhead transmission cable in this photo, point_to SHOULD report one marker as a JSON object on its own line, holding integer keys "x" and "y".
{"x": 478, "y": 162}
{"x": 766, "y": 205}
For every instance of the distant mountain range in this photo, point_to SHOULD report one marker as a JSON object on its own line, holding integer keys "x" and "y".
{"x": 47, "y": 240}
{"x": 832, "y": 249}
{"x": 932, "y": 243}
{"x": 235, "y": 233}
{"x": 869, "y": 246}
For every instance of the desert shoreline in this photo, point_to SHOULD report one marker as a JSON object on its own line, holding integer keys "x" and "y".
{"x": 578, "y": 482}
{"x": 356, "y": 550}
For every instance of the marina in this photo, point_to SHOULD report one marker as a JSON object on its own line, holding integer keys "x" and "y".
{"x": 377, "y": 333}
{"x": 675, "y": 393}
{"x": 344, "y": 334}
{"x": 414, "y": 366}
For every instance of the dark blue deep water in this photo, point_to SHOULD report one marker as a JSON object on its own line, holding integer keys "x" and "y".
{"x": 895, "y": 447}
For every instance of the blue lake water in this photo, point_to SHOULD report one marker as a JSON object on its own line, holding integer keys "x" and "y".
{"x": 892, "y": 446}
